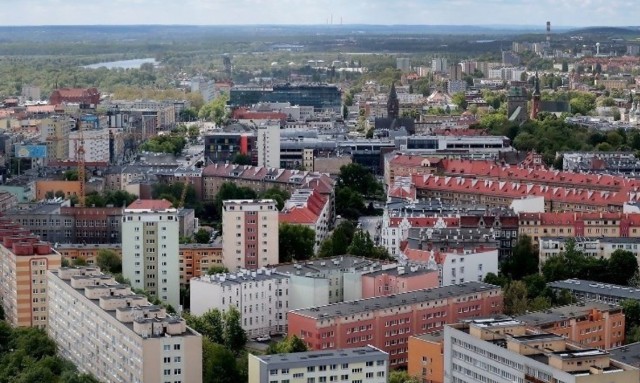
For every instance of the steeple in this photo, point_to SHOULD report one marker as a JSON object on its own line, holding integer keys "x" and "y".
{"x": 536, "y": 92}
{"x": 535, "y": 99}
{"x": 393, "y": 105}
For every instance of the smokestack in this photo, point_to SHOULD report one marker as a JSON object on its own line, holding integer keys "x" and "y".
{"x": 548, "y": 31}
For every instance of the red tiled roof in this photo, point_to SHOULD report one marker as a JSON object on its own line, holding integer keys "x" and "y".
{"x": 410, "y": 160}
{"x": 299, "y": 216}
{"x": 41, "y": 109}
{"x": 150, "y": 204}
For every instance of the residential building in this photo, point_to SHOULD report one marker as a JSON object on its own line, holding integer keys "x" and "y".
{"x": 456, "y": 86}
{"x": 150, "y": 236}
{"x": 309, "y": 208}
{"x": 321, "y": 97}
{"x": 596, "y": 291}
{"x": 599, "y": 247}
{"x": 426, "y": 357}
{"x": 261, "y": 296}
{"x": 387, "y": 322}
{"x": 96, "y": 145}
{"x": 117, "y": 336}
{"x": 249, "y": 234}
{"x": 24, "y": 262}
{"x": 398, "y": 280}
{"x": 629, "y": 354}
{"x": 223, "y": 147}
{"x": 87, "y": 252}
{"x": 269, "y": 145}
{"x": 31, "y": 92}
{"x": 506, "y": 351}
{"x": 591, "y": 324}
{"x": 510, "y": 59}
{"x": 439, "y": 65}
{"x": 54, "y": 131}
{"x": 326, "y": 281}
{"x": 88, "y": 96}
{"x": 401, "y": 165}
{"x": 196, "y": 259}
{"x": 46, "y": 189}
{"x": 361, "y": 364}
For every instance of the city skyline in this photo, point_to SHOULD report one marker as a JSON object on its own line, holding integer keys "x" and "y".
{"x": 306, "y": 12}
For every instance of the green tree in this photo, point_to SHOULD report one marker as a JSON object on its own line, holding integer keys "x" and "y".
{"x": 241, "y": 159}
{"x": 631, "y": 309}
{"x": 359, "y": 179}
{"x": 497, "y": 280}
{"x": 523, "y": 260}
{"x": 277, "y": 194}
{"x": 229, "y": 190}
{"x": 460, "y": 100}
{"x": 235, "y": 337}
{"x": 622, "y": 266}
{"x": 402, "y": 376}
{"x": 79, "y": 261}
{"x": 217, "y": 270}
{"x": 361, "y": 245}
{"x": 582, "y": 103}
{"x": 202, "y": 236}
{"x": 338, "y": 242}
{"x": 515, "y": 298}
{"x": 290, "y": 344}
{"x": 215, "y": 110}
{"x": 218, "y": 363}
{"x": 349, "y": 203}
{"x": 109, "y": 261}
{"x": 296, "y": 242}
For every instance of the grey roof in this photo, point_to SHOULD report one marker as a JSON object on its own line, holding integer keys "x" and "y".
{"x": 319, "y": 267}
{"x": 309, "y": 358}
{"x": 593, "y": 239}
{"x": 623, "y": 292}
{"x": 557, "y": 314}
{"x": 227, "y": 279}
{"x": 385, "y": 302}
{"x": 406, "y": 271}
{"x": 628, "y": 354}
{"x": 63, "y": 246}
{"x": 436, "y": 336}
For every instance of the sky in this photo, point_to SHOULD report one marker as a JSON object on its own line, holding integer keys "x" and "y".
{"x": 236, "y": 12}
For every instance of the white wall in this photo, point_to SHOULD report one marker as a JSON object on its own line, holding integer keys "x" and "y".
{"x": 468, "y": 267}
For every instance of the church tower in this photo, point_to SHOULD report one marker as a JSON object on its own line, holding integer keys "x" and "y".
{"x": 393, "y": 105}
{"x": 535, "y": 98}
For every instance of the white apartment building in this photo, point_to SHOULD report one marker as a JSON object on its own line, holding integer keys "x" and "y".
{"x": 150, "y": 254}
{"x": 354, "y": 365}
{"x": 507, "y": 351}
{"x": 600, "y": 247}
{"x": 439, "y": 64}
{"x": 117, "y": 336}
{"x": 249, "y": 234}
{"x": 467, "y": 266}
{"x": 261, "y": 296}
{"x": 96, "y": 144}
{"x": 269, "y": 145}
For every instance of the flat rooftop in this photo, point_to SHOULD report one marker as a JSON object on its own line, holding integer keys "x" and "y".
{"x": 386, "y": 302}
{"x": 323, "y": 356}
{"x": 557, "y": 314}
{"x": 319, "y": 267}
{"x": 623, "y": 292}
{"x": 628, "y": 354}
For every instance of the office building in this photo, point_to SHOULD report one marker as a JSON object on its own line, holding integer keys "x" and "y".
{"x": 596, "y": 291}
{"x": 507, "y": 351}
{"x": 439, "y": 65}
{"x": 591, "y": 324}
{"x": 321, "y": 97}
{"x": 249, "y": 234}
{"x": 387, "y": 322}
{"x": 117, "y": 336}
{"x": 24, "y": 262}
{"x": 456, "y": 86}
{"x": 150, "y": 236}
{"x": 426, "y": 357}
{"x": 362, "y": 364}
{"x": 269, "y": 145}
{"x": 223, "y": 147}
{"x": 261, "y": 296}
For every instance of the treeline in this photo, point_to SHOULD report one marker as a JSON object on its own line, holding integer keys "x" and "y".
{"x": 28, "y": 355}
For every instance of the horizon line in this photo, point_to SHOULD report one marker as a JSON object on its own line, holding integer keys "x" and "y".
{"x": 323, "y": 24}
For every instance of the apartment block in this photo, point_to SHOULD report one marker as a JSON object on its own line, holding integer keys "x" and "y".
{"x": 398, "y": 280}
{"x": 596, "y": 291}
{"x": 196, "y": 259}
{"x": 507, "y": 351}
{"x": 354, "y": 365}
{"x": 261, "y": 296}
{"x": 96, "y": 145}
{"x": 309, "y": 208}
{"x": 24, "y": 261}
{"x": 590, "y": 324}
{"x": 88, "y": 252}
{"x": 117, "y": 336}
{"x": 388, "y": 322}
{"x": 269, "y": 145}
{"x": 599, "y": 247}
{"x": 426, "y": 357}
{"x": 249, "y": 234}
{"x": 150, "y": 236}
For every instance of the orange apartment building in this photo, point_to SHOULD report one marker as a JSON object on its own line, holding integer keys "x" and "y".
{"x": 196, "y": 259}
{"x": 402, "y": 165}
{"x": 69, "y": 188}
{"x": 88, "y": 252}
{"x": 24, "y": 262}
{"x": 588, "y": 225}
{"x": 426, "y": 357}
{"x": 592, "y": 324}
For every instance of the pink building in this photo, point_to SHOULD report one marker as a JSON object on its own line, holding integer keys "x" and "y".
{"x": 398, "y": 280}
{"x": 388, "y": 322}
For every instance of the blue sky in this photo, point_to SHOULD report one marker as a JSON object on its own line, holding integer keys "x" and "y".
{"x": 219, "y": 12}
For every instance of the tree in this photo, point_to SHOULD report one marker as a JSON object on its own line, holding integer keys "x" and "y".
{"x": 349, "y": 203}
{"x": 229, "y": 190}
{"x": 241, "y": 159}
{"x": 288, "y": 345}
{"x": 218, "y": 363}
{"x": 235, "y": 337}
{"x": 582, "y": 103}
{"x": 217, "y": 270}
{"x": 460, "y": 100}
{"x": 359, "y": 179}
{"x": 339, "y": 240}
{"x": 494, "y": 279}
{"x": 215, "y": 110}
{"x": 631, "y": 309}
{"x": 401, "y": 376}
{"x": 109, "y": 261}
{"x": 523, "y": 260}
{"x": 277, "y": 194}
{"x": 622, "y": 266}
{"x": 202, "y": 236}
{"x": 515, "y": 298}
{"x": 79, "y": 261}
{"x": 296, "y": 242}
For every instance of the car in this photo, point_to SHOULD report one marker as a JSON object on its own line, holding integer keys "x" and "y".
{"x": 263, "y": 338}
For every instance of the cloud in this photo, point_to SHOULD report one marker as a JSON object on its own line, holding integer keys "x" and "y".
{"x": 227, "y": 12}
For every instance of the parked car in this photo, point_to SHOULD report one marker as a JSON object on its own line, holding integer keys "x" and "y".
{"x": 263, "y": 338}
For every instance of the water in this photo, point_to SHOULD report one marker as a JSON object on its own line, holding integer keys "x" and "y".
{"x": 124, "y": 64}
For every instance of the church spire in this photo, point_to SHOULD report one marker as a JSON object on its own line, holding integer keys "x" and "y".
{"x": 535, "y": 99}
{"x": 393, "y": 105}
